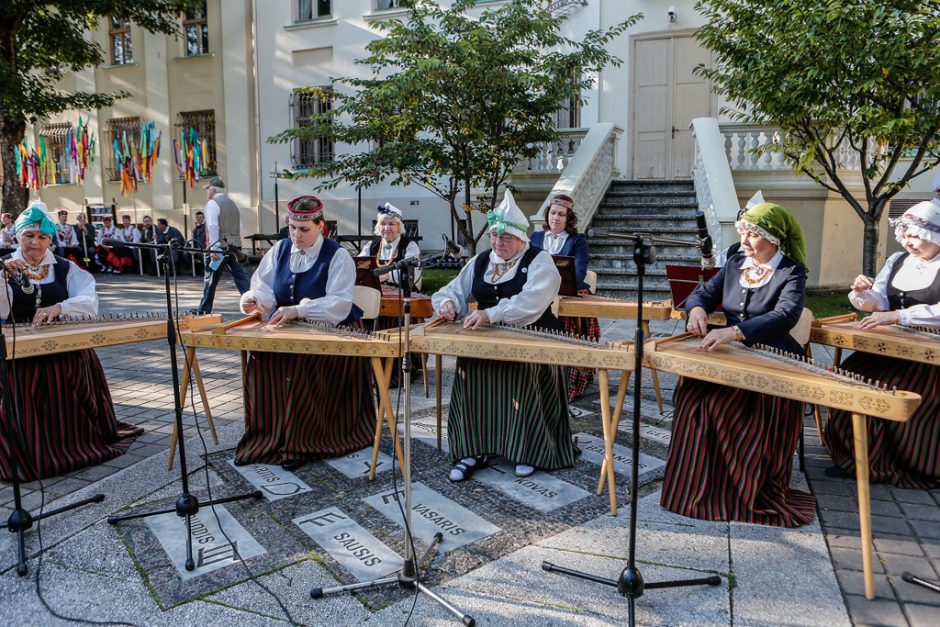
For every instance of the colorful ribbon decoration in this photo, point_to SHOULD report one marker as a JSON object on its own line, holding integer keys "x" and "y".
{"x": 36, "y": 168}
{"x": 192, "y": 156}
{"x": 135, "y": 158}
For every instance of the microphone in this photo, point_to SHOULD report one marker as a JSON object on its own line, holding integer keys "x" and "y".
{"x": 591, "y": 233}
{"x": 21, "y": 279}
{"x": 705, "y": 241}
{"x": 413, "y": 262}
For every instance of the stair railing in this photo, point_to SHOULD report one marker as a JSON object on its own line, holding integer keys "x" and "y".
{"x": 587, "y": 175}
{"x": 714, "y": 186}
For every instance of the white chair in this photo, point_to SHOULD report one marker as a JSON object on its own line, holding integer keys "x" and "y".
{"x": 369, "y": 300}
{"x": 804, "y": 325}
{"x": 591, "y": 279}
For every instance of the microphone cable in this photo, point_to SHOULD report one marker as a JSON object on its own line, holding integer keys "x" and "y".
{"x": 205, "y": 450}
{"x": 21, "y": 440}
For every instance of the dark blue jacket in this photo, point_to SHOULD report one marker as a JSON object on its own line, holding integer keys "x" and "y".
{"x": 575, "y": 246}
{"x": 765, "y": 314}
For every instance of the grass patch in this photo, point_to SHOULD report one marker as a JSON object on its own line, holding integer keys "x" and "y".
{"x": 825, "y": 304}
{"x": 433, "y": 279}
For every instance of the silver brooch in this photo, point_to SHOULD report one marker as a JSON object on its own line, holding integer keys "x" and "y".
{"x": 524, "y": 270}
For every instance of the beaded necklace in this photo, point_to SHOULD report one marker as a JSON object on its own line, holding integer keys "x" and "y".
{"x": 753, "y": 275}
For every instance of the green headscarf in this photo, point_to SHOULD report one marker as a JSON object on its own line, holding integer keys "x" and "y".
{"x": 36, "y": 214}
{"x": 770, "y": 219}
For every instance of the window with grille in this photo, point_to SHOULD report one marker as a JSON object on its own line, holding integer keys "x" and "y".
{"x": 203, "y": 122}
{"x": 387, "y": 4}
{"x": 196, "y": 29}
{"x": 126, "y": 131}
{"x": 307, "y": 10}
{"x": 305, "y": 108}
{"x": 54, "y": 137}
{"x": 119, "y": 33}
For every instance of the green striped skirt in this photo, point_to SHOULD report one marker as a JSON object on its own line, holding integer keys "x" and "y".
{"x": 516, "y": 410}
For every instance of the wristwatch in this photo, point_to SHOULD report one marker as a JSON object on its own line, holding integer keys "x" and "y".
{"x": 738, "y": 334}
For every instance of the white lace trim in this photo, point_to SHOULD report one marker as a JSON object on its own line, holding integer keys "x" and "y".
{"x": 753, "y": 228}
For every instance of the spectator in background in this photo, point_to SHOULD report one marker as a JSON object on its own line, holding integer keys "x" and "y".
{"x": 148, "y": 235}
{"x": 86, "y": 242}
{"x": 223, "y": 235}
{"x": 167, "y": 234}
{"x": 112, "y": 261}
{"x": 8, "y": 239}
{"x": 66, "y": 239}
{"x": 199, "y": 237}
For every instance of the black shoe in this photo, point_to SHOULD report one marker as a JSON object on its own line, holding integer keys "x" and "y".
{"x": 292, "y": 464}
{"x": 577, "y": 449}
{"x": 240, "y": 462}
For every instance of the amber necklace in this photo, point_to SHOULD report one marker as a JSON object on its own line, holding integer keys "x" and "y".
{"x": 755, "y": 274}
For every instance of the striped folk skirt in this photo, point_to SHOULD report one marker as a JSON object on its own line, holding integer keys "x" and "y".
{"x": 65, "y": 415}
{"x": 731, "y": 456}
{"x": 905, "y": 454}
{"x": 305, "y": 407}
{"x": 516, "y": 410}
{"x": 579, "y": 379}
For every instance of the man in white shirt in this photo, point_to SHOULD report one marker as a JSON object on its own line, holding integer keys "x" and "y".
{"x": 223, "y": 234}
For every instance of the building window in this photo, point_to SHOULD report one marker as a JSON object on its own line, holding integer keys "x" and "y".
{"x": 124, "y": 131}
{"x": 119, "y": 33}
{"x": 306, "y": 107}
{"x": 569, "y": 114}
{"x": 196, "y": 28}
{"x": 53, "y": 137}
{"x": 308, "y": 10}
{"x": 381, "y": 5}
{"x": 203, "y": 122}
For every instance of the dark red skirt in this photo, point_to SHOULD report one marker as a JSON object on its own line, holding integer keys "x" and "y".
{"x": 905, "y": 454}
{"x": 579, "y": 379}
{"x": 731, "y": 457}
{"x": 67, "y": 419}
{"x": 306, "y": 407}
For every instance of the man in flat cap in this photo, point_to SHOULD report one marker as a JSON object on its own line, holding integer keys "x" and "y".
{"x": 223, "y": 236}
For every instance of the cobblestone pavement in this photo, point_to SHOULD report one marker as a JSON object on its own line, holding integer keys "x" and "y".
{"x": 810, "y": 576}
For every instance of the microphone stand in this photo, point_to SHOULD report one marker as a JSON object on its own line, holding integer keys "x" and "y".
{"x": 409, "y": 577}
{"x": 20, "y": 519}
{"x": 631, "y": 584}
{"x": 187, "y": 505}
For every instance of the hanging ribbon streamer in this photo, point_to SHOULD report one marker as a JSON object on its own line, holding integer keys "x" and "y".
{"x": 136, "y": 158}
{"x": 192, "y": 156}
{"x": 53, "y": 162}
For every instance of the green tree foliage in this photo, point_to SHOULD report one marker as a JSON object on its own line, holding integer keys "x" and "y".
{"x": 455, "y": 99}
{"x": 840, "y": 78}
{"x": 39, "y": 42}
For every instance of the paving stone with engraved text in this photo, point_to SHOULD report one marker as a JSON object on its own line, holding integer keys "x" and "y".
{"x": 351, "y": 545}
{"x": 211, "y": 549}
{"x": 648, "y": 432}
{"x": 432, "y": 512}
{"x": 540, "y": 491}
{"x": 358, "y": 463}
{"x": 273, "y": 481}
{"x": 592, "y": 449}
{"x": 426, "y": 432}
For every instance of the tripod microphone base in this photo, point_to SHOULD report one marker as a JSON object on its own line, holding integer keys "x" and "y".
{"x": 20, "y": 520}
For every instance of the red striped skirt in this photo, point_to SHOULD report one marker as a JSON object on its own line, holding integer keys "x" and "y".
{"x": 579, "y": 379}
{"x": 905, "y": 454}
{"x": 67, "y": 419}
{"x": 731, "y": 457}
{"x": 516, "y": 410}
{"x": 306, "y": 407}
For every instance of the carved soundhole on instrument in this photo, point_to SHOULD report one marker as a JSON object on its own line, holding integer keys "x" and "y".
{"x": 97, "y": 338}
{"x": 50, "y": 345}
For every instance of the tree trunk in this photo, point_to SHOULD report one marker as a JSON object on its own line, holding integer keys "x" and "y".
{"x": 14, "y": 196}
{"x": 870, "y": 243}
{"x": 471, "y": 238}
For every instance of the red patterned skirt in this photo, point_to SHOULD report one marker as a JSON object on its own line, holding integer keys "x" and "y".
{"x": 731, "y": 457}
{"x": 306, "y": 407}
{"x": 905, "y": 454}
{"x": 579, "y": 379}
{"x": 67, "y": 419}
